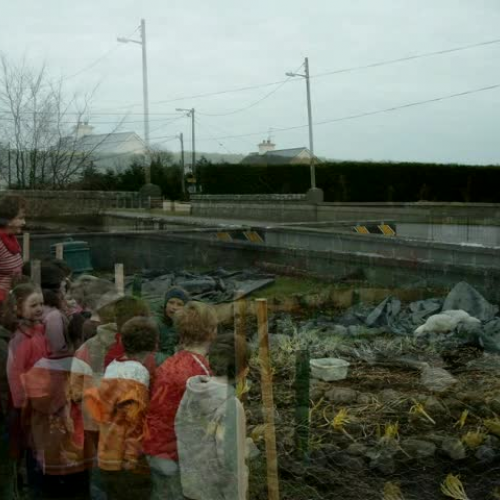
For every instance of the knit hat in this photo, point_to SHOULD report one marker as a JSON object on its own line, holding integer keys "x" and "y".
{"x": 176, "y": 292}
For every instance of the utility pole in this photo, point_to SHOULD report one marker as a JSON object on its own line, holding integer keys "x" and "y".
{"x": 9, "y": 172}
{"x": 317, "y": 194}
{"x": 309, "y": 115}
{"x": 145, "y": 95}
{"x": 183, "y": 170}
{"x": 191, "y": 114}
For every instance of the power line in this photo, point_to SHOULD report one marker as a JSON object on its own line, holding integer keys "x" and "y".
{"x": 328, "y": 73}
{"x": 255, "y": 103}
{"x": 377, "y": 112}
{"x": 408, "y": 58}
{"x": 214, "y": 138}
{"x": 98, "y": 60}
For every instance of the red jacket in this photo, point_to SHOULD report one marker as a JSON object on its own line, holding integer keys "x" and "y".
{"x": 26, "y": 347}
{"x": 166, "y": 395}
{"x": 54, "y": 388}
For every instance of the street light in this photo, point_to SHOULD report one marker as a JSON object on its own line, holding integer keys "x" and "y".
{"x": 190, "y": 113}
{"x": 142, "y": 42}
{"x": 309, "y": 114}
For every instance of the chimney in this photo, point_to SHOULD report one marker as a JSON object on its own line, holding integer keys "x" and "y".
{"x": 266, "y": 146}
{"x": 83, "y": 129}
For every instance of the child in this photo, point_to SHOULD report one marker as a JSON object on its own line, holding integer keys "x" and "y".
{"x": 175, "y": 299}
{"x": 197, "y": 327}
{"x": 127, "y": 308}
{"x": 22, "y": 314}
{"x": 210, "y": 429}
{"x": 119, "y": 405}
{"x": 54, "y": 389}
{"x": 28, "y": 345}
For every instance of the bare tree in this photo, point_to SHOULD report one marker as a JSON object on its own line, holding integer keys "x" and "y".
{"x": 38, "y": 124}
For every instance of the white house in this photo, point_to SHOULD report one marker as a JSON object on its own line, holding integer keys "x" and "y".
{"x": 269, "y": 155}
{"x": 114, "y": 151}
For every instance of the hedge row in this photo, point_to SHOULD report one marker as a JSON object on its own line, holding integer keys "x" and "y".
{"x": 357, "y": 181}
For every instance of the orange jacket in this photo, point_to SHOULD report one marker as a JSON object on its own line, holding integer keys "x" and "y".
{"x": 119, "y": 406}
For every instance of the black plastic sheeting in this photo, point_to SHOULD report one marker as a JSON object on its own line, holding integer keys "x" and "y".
{"x": 392, "y": 316}
{"x": 214, "y": 287}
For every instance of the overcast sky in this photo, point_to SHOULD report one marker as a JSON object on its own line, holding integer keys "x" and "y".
{"x": 200, "y": 46}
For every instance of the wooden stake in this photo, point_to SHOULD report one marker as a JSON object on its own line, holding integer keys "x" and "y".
{"x": 240, "y": 339}
{"x": 120, "y": 279}
{"x": 302, "y": 403}
{"x": 26, "y": 247}
{"x": 36, "y": 272}
{"x": 267, "y": 399}
{"x": 59, "y": 251}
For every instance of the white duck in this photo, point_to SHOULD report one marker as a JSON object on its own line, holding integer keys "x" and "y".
{"x": 446, "y": 322}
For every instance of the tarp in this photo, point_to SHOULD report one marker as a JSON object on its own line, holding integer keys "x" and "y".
{"x": 214, "y": 287}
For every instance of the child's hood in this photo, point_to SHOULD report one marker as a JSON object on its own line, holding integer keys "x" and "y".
{"x": 107, "y": 333}
{"x": 205, "y": 394}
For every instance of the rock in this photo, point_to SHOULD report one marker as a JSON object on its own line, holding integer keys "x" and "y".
{"x": 357, "y": 449}
{"x": 436, "y": 438}
{"x": 467, "y": 298}
{"x": 485, "y": 454}
{"x": 252, "y": 451}
{"x": 341, "y": 395}
{"x": 492, "y": 441}
{"x": 418, "y": 448}
{"x": 434, "y": 407}
{"x": 347, "y": 461}
{"x": 437, "y": 379}
{"x": 317, "y": 389}
{"x": 453, "y": 448}
{"x": 339, "y": 330}
{"x": 486, "y": 363}
{"x": 365, "y": 398}
{"x": 382, "y": 461}
{"x": 387, "y": 395}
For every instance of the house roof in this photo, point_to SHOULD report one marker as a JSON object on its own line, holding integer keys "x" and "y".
{"x": 106, "y": 143}
{"x": 274, "y": 157}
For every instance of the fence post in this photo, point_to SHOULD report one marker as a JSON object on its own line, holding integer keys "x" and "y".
{"x": 60, "y": 251}
{"x": 36, "y": 272}
{"x": 26, "y": 247}
{"x": 120, "y": 279}
{"x": 302, "y": 403}
{"x": 267, "y": 400}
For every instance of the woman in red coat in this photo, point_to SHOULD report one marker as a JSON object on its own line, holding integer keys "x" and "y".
{"x": 12, "y": 213}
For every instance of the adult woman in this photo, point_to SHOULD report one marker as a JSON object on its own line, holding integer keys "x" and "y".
{"x": 12, "y": 221}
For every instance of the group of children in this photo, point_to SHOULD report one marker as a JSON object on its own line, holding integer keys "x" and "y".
{"x": 101, "y": 400}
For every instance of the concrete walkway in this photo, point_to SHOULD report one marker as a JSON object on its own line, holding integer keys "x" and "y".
{"x": 188, "y": 220}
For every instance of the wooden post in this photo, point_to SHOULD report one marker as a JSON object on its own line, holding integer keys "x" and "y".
{"x": 59, "y": 251}
{"x": 240, "y": 338}
{"x": 36, "y": 272}
{"x": 302, "y": 403}
{"x": 26, "y": 247}
{"x": 120, "y": 279}
{"x": 267, "y": 400}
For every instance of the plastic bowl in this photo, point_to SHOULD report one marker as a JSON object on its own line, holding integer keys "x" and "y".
{"x": 329, "y": 369}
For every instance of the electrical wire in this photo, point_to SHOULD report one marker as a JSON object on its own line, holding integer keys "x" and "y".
{"x": 213, "y": 138}
{"x": 255, "y": 103}
{"x": 98, "y": 60}
{"x": 319, "y": 75}
{"x": 376, "y": 112}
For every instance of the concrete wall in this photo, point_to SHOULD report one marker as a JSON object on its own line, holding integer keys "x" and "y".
{"x": 451, "y": 233}
{"x": 46, "y": 203}
{"x": 294, "y": 208}
{"x": 169, "y": 251}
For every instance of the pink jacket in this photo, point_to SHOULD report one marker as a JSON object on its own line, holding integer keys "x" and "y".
{"x": 26, "y": 347}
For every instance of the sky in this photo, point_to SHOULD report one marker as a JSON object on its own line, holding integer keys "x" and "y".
{"x": 197, "y": 47}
